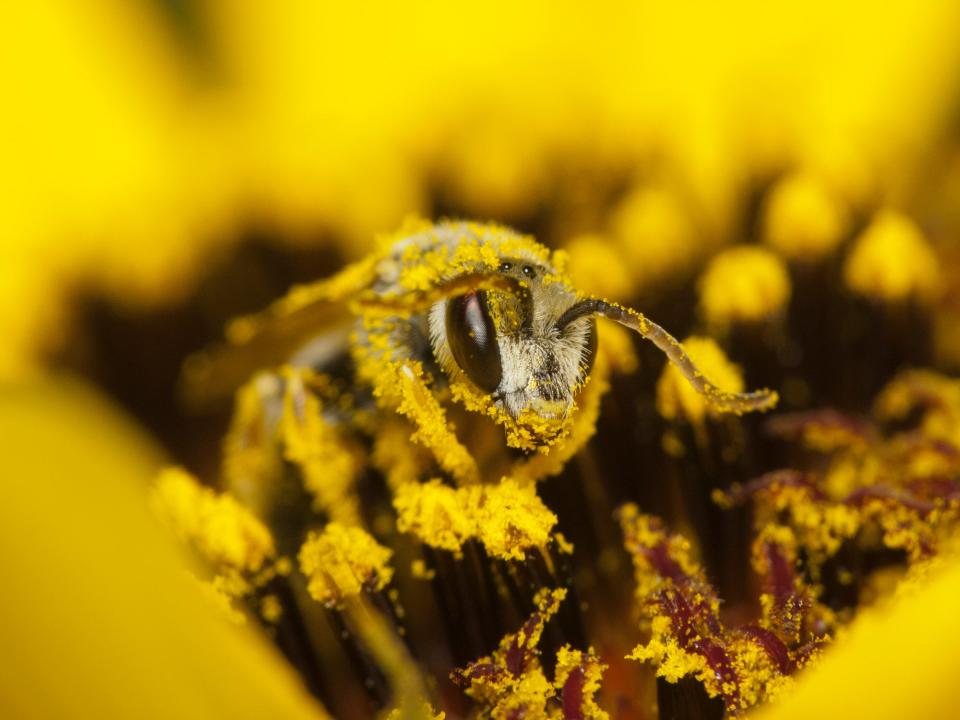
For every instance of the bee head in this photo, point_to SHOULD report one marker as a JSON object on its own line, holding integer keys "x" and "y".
{"x": 524, "y": 350}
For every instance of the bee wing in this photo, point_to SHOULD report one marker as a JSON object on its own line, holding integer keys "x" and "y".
{"x": 307, "y": 314}
{"x": 315, "y": 315}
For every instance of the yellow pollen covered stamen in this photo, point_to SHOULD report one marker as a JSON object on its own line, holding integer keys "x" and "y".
{"x": 434, "y": 513}
{"x": 510, "y": 682}
{"x": 221, "y": 529}
{"x": 582, "y": 671}
{"x": 893, "y": 262}
{"x": 341, "y": 562}
{"x": 743, "y": 284}
{"x": 510, "y": 518}
{"x": 802, "y": 221}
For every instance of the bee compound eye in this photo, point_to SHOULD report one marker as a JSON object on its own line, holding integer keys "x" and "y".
{"x": 472, "y": 337}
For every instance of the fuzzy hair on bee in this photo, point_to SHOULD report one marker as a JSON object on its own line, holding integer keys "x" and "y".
{"x": 476, "y": 308}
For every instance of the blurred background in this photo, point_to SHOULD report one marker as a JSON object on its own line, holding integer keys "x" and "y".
{"x": 170, "y": 163}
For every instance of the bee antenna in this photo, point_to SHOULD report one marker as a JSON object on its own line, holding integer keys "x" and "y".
{"x": 723, "y": 400}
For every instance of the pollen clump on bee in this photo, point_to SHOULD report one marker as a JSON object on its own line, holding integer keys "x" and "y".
{"x": 341, "y": 562}
{"x": 251, "y": 462}
{"x": 529, "y": 431}
{"x": 677, "y": 399}
{"x": 893, "y": 262}
{"x": 743, "y": 284}
{"x": 400, "y": 461}
{"x": 433, "y": 431}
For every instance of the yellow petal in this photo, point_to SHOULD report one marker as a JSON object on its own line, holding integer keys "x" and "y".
{"x": 897, "y": 662}
{"x": 98, "y": 612}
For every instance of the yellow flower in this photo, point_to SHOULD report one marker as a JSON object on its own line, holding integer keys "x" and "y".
{"x": 435, "y": 513}
{"x": 167, "y": 165}
{"x": 508, "y": 517}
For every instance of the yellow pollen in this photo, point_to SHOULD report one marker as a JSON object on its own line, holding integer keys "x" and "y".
{"x": 221, "y": 529}
{"x": 341, "y": 562}
{"x": 435, "y": 513}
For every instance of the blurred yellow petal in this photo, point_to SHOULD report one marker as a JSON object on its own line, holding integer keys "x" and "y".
{"x": 100, "y": 618}
{"x": 896, "y": 662}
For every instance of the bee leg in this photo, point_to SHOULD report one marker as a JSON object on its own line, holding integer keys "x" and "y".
{"x": 251, "y": 458}
{"x": 403, "y": 386}
{"x": 318, "y": 445}
{"x": 272, "y": 336}
{"x": 397, "y": 459}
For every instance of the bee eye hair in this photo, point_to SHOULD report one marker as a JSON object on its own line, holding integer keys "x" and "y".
{"x": 589, "y": 353}
{"x": 473, "y": 339}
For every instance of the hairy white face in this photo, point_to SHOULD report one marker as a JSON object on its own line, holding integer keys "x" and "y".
{"x": 515, "y": 350}
{"x": 543, "y": 372}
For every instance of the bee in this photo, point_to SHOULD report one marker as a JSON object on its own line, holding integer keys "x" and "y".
{"x": 472, "y": 312}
